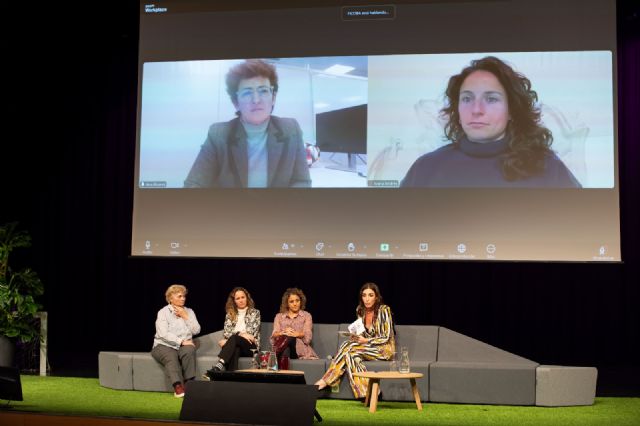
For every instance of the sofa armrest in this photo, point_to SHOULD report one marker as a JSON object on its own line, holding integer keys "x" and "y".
{"x": 208, "y": 344}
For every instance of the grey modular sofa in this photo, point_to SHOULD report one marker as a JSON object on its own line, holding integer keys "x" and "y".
{"x": 456, "y": 368}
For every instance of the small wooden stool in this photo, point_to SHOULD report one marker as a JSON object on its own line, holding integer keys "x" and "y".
{"x": 374, "y": 385}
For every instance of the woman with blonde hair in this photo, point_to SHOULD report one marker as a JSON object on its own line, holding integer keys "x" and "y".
{"x": 173, "y": 345}
{"x": 241, "y": 329}
{"x": 293, "y": 326}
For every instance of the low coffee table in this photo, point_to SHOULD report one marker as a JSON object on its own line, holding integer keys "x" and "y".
{"x": 256, "y": 375}
{"x": 262, "y": 371}
{"x": 374, "y": 386}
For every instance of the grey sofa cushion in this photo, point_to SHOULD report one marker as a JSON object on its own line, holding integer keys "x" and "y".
{"x": 421, "y": 340}
{"x": 207, "y": 344}
{"x": 266, "y": 328}
{"x": 115, "y": 370}
{"x": 204, "y": 363}
{"x": 456, "y": 347}
{"x": 471, "y": 371}
{"x": 482, "y": 383}
{"x": 560, "y": 386}
{"x": 325, "y": 340}
{"x": 148, "y": 374}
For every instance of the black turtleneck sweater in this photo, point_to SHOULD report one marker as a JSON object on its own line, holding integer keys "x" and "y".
{"x": 469, "y": 164}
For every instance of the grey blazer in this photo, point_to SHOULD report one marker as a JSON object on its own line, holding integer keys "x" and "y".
{"x": 223, "y": 159}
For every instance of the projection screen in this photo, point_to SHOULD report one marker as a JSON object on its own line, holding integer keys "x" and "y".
{"x": 467, "y": 130}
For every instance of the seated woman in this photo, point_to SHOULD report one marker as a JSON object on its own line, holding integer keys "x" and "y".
{"x": 173, "y": 346}
{"x": 241, "y": 330}
{"x": 376, "y": 342}
{"x": 497, "y": 138}
{"x": 295, "y": 324}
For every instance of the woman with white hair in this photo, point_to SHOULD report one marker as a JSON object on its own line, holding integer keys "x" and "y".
{"x": 173, "y": 345}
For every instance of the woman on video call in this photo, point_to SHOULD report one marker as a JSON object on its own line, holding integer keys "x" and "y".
{"x": 376, "y": 342}
{"x": 496, "y": 136}
{"x": 173, "y": 346}
{"x": 256, "y": 149}
{"x": 241, "y": 330}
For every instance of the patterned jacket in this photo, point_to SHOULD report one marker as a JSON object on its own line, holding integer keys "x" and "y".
{"x": 252, "y": 321}
{"x": 381, "y": 332}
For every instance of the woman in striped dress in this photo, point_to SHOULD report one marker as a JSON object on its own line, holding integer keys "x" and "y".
{"x": 376, "y": 342}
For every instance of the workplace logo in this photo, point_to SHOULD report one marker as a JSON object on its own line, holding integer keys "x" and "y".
{"x": 152, "y": 8}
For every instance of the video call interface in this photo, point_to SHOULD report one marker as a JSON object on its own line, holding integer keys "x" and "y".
{"x": 464, "y": 148}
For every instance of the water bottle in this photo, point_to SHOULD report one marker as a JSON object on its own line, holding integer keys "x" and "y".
{"x": 404, "y": 360}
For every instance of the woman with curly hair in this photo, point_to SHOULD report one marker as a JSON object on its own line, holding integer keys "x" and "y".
{"x": 241, "y": 330}
{"x": 294, "y": 325}
{"x": 496, "y": 136}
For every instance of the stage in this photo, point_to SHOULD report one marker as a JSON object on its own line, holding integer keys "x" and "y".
{"x": 82, "y": 401}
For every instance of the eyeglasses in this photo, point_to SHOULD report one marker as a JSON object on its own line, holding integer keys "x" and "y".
{"x": 264, "y": 93}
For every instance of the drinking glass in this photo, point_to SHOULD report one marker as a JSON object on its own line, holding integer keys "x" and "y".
{"x": 264, "y": 358}
{"x": 255, "y": 359}
{"x": 404, "y": 360}
{"x": 272, "y": 362}
{"x": 393, "y": 363}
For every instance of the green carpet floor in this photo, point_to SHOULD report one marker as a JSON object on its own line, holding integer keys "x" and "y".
{"x": 80, "y": 396}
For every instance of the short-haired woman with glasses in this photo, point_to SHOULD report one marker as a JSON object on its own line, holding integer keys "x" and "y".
{"x": 255, "y": 149}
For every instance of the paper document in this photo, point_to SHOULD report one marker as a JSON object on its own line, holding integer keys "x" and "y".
{"x": 356, "y": 327}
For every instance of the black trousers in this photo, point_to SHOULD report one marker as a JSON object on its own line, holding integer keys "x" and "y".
{"x": 235, "y": 347}
{"x": 291, "y": 348}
